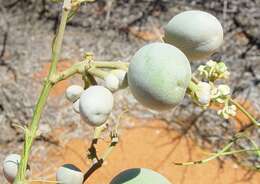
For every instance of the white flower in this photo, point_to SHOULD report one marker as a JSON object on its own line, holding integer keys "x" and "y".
{"x": 213, "y": 71}
{"x": 223, "y": 89}
{"x": 220, "y": 93}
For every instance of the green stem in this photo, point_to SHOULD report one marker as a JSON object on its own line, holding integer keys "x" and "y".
{"x": 30, "y": 133}
{"x": 192, "y": 88}
{"x": 111, "y": 64}
{"x": 226, "y": 148}
{"x": 92, "y": 68}
{"x": 98, "y": 72}
{"x": 56, "y": 49}
{"x": 244, "y": 111}
{"x": 239, "y": 151}
{"x": 79, "y": 68}
{"x": 99, "y": 130}
{"x": 216, "y": 155}
{"x": 108, "y": 150}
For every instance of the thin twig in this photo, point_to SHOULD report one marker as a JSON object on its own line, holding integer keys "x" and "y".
{"x": 216, "y": 155}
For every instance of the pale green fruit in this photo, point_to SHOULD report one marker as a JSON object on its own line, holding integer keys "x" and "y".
{"x": 95, "y": 105}
{"x": 111, "y": 82}
{"x": 73, "y": 92}
{"x": 10, "y": 166}
{"x": 159, "y": 75}
{"x": 196, "y": 33}
{"x": 122, "y": 77}
{"x": 139, "y": 176}
{"x": 69, "y": 174}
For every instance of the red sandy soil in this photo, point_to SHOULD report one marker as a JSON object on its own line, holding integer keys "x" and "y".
{"x": 150, "y": 145}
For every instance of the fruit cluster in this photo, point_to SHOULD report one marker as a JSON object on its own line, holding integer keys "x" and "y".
{"x": 159, "y": 75}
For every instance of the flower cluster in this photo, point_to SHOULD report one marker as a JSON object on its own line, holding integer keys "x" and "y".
{"x": 208, "y": 92}
{"x": 220, "y": 93}
{"x": 227, "y": 111}
{"x": 213, "y": 71}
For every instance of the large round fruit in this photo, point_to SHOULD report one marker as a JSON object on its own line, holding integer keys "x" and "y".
{"x": 95, "y": 105}
{"x": 69, "y": 174}
{"x": 196, "y": 33}
{"x": 139, "y": 176}
{"x": 158, "y": 76}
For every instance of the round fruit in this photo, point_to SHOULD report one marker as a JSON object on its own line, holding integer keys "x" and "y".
{"x": 139, "y": 176}
{"x": 73, "y": 92}
{"x": 158, "y": 76}
{"x": 95, "y": 105}
{"x": 69, "y": 174}
{"x": 196, "y": 33}
{"x": 10, "y": 166}
{"x": 111, "y": 82}
{"x": 76, "y": 106}
{"x": 122, "y": 77}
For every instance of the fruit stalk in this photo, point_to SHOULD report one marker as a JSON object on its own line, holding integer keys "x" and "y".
{"x": 30, "y": 133}
{"x": 84, "y": 66}
{"x": 111, "y": 64}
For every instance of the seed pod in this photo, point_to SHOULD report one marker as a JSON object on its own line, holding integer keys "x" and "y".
{"x": 196, "y": 33}
{"x": 111, "y": 82}
{"x": 159, "y": 75}
{"x": 122, "y": 77}
{"x": 76, "y": 106}
{"x": 69, "y": 174}
{"x": 139, "y": 176}
{"x": 10, "y": 166}
{"x": 73, "y": 92}
{"x": 95, "y": 105}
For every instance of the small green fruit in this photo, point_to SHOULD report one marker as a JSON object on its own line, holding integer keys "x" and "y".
{"x": 73, "y": 92}
{"x": 139, "y": 176}
{"x": 122, "y": 77}
{"x": 111, "y": 82}
{"x": 10, "y": 166}
{"x": 159, "y": 75}
{"x": 95, "y": 105}
{"x": 69, "y": 174}
{"x": 196, "y": 33}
